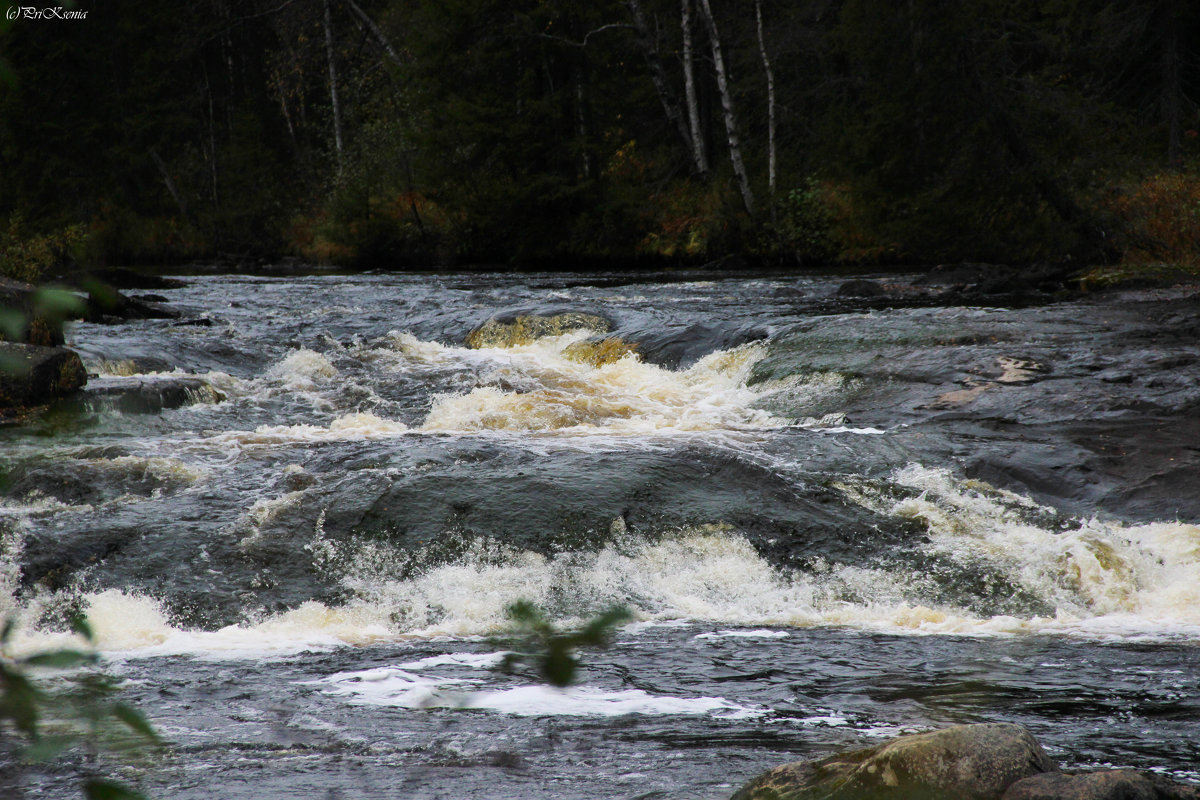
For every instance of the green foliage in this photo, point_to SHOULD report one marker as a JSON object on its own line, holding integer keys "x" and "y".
{"x": 29, "y": 256}
{"x": 535, "y": 131}
{"x": 80, "y": 709}
{"x": 554, "y": 652}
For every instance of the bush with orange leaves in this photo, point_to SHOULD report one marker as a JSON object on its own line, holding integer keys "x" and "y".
{"x": 1162, "y": 217}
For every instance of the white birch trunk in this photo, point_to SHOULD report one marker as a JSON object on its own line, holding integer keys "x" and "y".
{"x": 658, "y": 74}
{"x": 333, "y": 90}
{"x": 735, "y": 147}
{"x": 699, "y": 154}
{"x": 762, "y": 49}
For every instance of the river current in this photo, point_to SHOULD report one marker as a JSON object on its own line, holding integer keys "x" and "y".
{"x": 831, "y": 523}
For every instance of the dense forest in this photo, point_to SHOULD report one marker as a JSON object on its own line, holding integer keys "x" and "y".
{"x": 553, "y": 133}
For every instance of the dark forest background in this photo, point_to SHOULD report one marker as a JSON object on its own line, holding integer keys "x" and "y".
{"x": 543, "y": 132}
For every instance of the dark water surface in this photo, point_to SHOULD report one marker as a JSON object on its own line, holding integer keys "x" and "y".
{"x": 832, "y": 525}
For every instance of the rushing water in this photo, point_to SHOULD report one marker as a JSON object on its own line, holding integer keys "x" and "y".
{"x": 831, "y": 525}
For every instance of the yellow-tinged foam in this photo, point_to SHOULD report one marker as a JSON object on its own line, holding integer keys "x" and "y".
{"x": 560, "y": 392}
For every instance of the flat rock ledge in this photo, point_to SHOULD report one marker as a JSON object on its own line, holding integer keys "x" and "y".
{"x": 148, "y": 394}
{"x": 995, "y": 761}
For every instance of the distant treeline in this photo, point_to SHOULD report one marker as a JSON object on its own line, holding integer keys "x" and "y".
{"x": 547, "y": 132}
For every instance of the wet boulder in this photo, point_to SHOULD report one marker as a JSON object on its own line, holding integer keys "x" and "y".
{"x": 523, "y": 327}
{"x": 965, "y": 762}
{"x": 860, "y": 287}
{"x": 31, "y": 375}
{"x": 34, "y": 315}
{"x": 1109, "y": 784}
{"x": 106, "y": 305}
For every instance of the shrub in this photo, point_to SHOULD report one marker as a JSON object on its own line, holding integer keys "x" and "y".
{"x": 30, "y": 257}
{"x": 1161, "y": 217}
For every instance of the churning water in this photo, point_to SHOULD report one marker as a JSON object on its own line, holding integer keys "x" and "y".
{"x": 830, "y": 524}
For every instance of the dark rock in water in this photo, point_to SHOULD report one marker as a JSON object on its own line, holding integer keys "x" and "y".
{"x": 108, "y": 306}
{"x": 966, "y": 762}
{"x": 150, "y": 394}
{"x": 31, "y": 375}
{"x": 32, "y": 315}
{"x": 197, "y": 322}
{"x": 1113, "y": 784}
{"x": 121, "y": 278}
{"x": 860, "y": 288}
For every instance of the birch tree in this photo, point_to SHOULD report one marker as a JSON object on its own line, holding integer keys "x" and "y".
{"x": 731, "y": 128}
{"x": 766, "y": 61}
{"x": 699, "y": 149}
{"x": 333, "y": 87}
{"x": 658, "y": 74}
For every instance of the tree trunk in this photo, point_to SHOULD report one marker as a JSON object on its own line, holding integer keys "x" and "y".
{"x": 375, "y": 32}
{"x": 1172, "y": 90}
{"x": 659, "y": 75}
{"x": 333, "y": 87}
{"x": 762, "y": 49}
{"x": 171, "y": 188}
{"x": 581, "y": 123}
{"x": 699, "y": 151}
{"x": 735, "y": 147}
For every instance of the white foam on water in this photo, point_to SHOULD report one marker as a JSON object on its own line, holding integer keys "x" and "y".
{"x": 355, "y": 427}
{"x": 399, "y": 688}
{"x": 474, "y": 660}
{"x": 1102, "y": 580}
{"x": 302, "y": 370}
{"x": 760, "y": 633}
{"x": 545, "y": 391}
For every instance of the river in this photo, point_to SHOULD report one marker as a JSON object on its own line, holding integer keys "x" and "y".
{"x": 832, "y": 523}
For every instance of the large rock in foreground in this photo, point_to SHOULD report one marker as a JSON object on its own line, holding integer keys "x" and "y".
{"x": 966, "y": 762}
{"x": 1109, "y": 784}
{"x": 31, "y": 375}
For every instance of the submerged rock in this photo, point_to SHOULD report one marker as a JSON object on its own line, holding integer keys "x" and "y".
{"x": 966, "y": 762}
{"x": 522, "y": 329}
{"x": 31, "y": 375}
{"x": 860, "y": 287}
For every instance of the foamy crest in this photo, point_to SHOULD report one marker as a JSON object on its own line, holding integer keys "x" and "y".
{"x": 402, "y": 687}
{"x": 361, "y": 426}
{"x": 399, "y": 689}
{"x": 1100, "y": 577}
{"x": 538, "y": 387}
{"x": 302, "y": 370}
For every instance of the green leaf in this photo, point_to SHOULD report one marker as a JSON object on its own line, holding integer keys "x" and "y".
{"x": 12, "y": 324}
{"x": 80, "y": 625}
{"x": 59, "y": 659}
{"x": 58, "y": 303}
{"x": 559, "y": 665}
{"x": 19, "y": 701}
{"x": 598, "y": 631}
{"x": 47, "y": 748}
{"x": 100, "y": 789}
{"x": 136, "y": 721}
